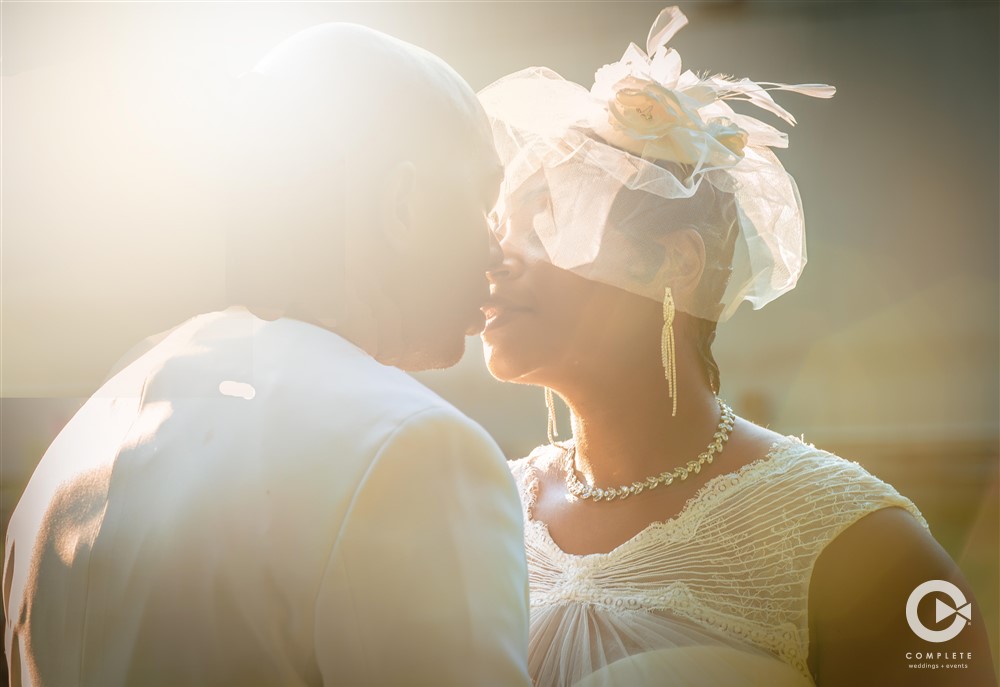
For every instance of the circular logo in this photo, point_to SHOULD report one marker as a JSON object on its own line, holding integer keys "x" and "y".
{"x": 960, "y": 608}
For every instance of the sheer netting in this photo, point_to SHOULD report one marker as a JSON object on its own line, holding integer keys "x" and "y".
{"x": 717, "y": 595}
{"x": 651, "y": 149}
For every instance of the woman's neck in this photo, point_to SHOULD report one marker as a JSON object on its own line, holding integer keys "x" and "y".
{"x": 623, "y": 424}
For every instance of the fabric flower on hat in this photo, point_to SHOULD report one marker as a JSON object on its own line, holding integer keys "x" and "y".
{"x": 659, "y": 112}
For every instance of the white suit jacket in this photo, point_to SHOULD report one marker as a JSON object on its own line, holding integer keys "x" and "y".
{"x": 262, "y": 503}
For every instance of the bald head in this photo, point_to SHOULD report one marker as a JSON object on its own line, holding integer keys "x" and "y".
{"x": 364, "y": 167}
{"x": 348, "y": 90}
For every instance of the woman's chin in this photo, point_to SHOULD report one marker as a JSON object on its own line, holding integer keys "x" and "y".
{"x": 495, "y": 364}
{"x": 500, "y": 361}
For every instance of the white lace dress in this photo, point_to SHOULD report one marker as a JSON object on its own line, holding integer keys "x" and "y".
{"x": 716, "y": 596}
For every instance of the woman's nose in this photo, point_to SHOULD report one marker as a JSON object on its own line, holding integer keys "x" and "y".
{"x": 496, "y": 253}
{"x": 506, "y": 261}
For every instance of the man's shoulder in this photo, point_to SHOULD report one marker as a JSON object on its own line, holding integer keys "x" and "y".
{"x": 338, "y": 378}
{"x": 285, "y": 382}
{"x": 278, "y": 365}
{"x": 316, "y": 382}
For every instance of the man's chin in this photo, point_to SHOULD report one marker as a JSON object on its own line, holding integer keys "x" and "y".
{"x": 438, "y": 357}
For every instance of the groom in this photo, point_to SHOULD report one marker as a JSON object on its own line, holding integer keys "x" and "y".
{"x": 259, "y": 499}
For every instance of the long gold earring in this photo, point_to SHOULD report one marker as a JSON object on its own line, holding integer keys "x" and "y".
{"x": 550, "y": 403}
{"x": 667, "y": 352}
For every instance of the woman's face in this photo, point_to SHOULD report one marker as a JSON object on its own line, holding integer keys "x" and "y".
{"x": 545, "y": 324}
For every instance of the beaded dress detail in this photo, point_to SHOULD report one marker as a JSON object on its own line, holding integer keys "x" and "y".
{"x": 711, "y": 596}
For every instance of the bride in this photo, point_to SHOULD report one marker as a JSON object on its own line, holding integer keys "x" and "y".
{"x": 670, "y": 541}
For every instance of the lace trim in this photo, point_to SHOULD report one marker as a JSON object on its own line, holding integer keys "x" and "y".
{"x": 680, "y": 527}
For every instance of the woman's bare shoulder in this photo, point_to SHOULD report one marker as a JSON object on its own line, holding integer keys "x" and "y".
{"x": 750, "y": 441}
{"x": 860, "y": 585}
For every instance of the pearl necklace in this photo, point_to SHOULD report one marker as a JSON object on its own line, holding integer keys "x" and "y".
{"x": 721, "y": 436}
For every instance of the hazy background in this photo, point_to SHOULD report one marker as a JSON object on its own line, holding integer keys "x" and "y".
{"x": 887, "y": 352}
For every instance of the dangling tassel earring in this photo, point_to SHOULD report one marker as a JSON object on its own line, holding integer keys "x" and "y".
{"x": 551, "y": 405}
{"x": 667, "y": 353}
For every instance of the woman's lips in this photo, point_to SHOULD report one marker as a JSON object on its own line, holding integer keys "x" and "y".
{"x": 498, "y": 313}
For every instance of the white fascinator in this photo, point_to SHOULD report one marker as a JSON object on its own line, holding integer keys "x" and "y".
{"x": 649, "y": 149}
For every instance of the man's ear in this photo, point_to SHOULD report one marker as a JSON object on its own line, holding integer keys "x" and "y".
{"x": 397, "y": 205}
{"x": 685, "y": 260}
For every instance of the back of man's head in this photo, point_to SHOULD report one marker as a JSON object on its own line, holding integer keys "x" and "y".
{"x": 362, "y": 93}
{"x": 359, "y": 170}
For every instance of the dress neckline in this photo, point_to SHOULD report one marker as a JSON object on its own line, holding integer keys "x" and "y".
{"x": 713, "y": 486}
